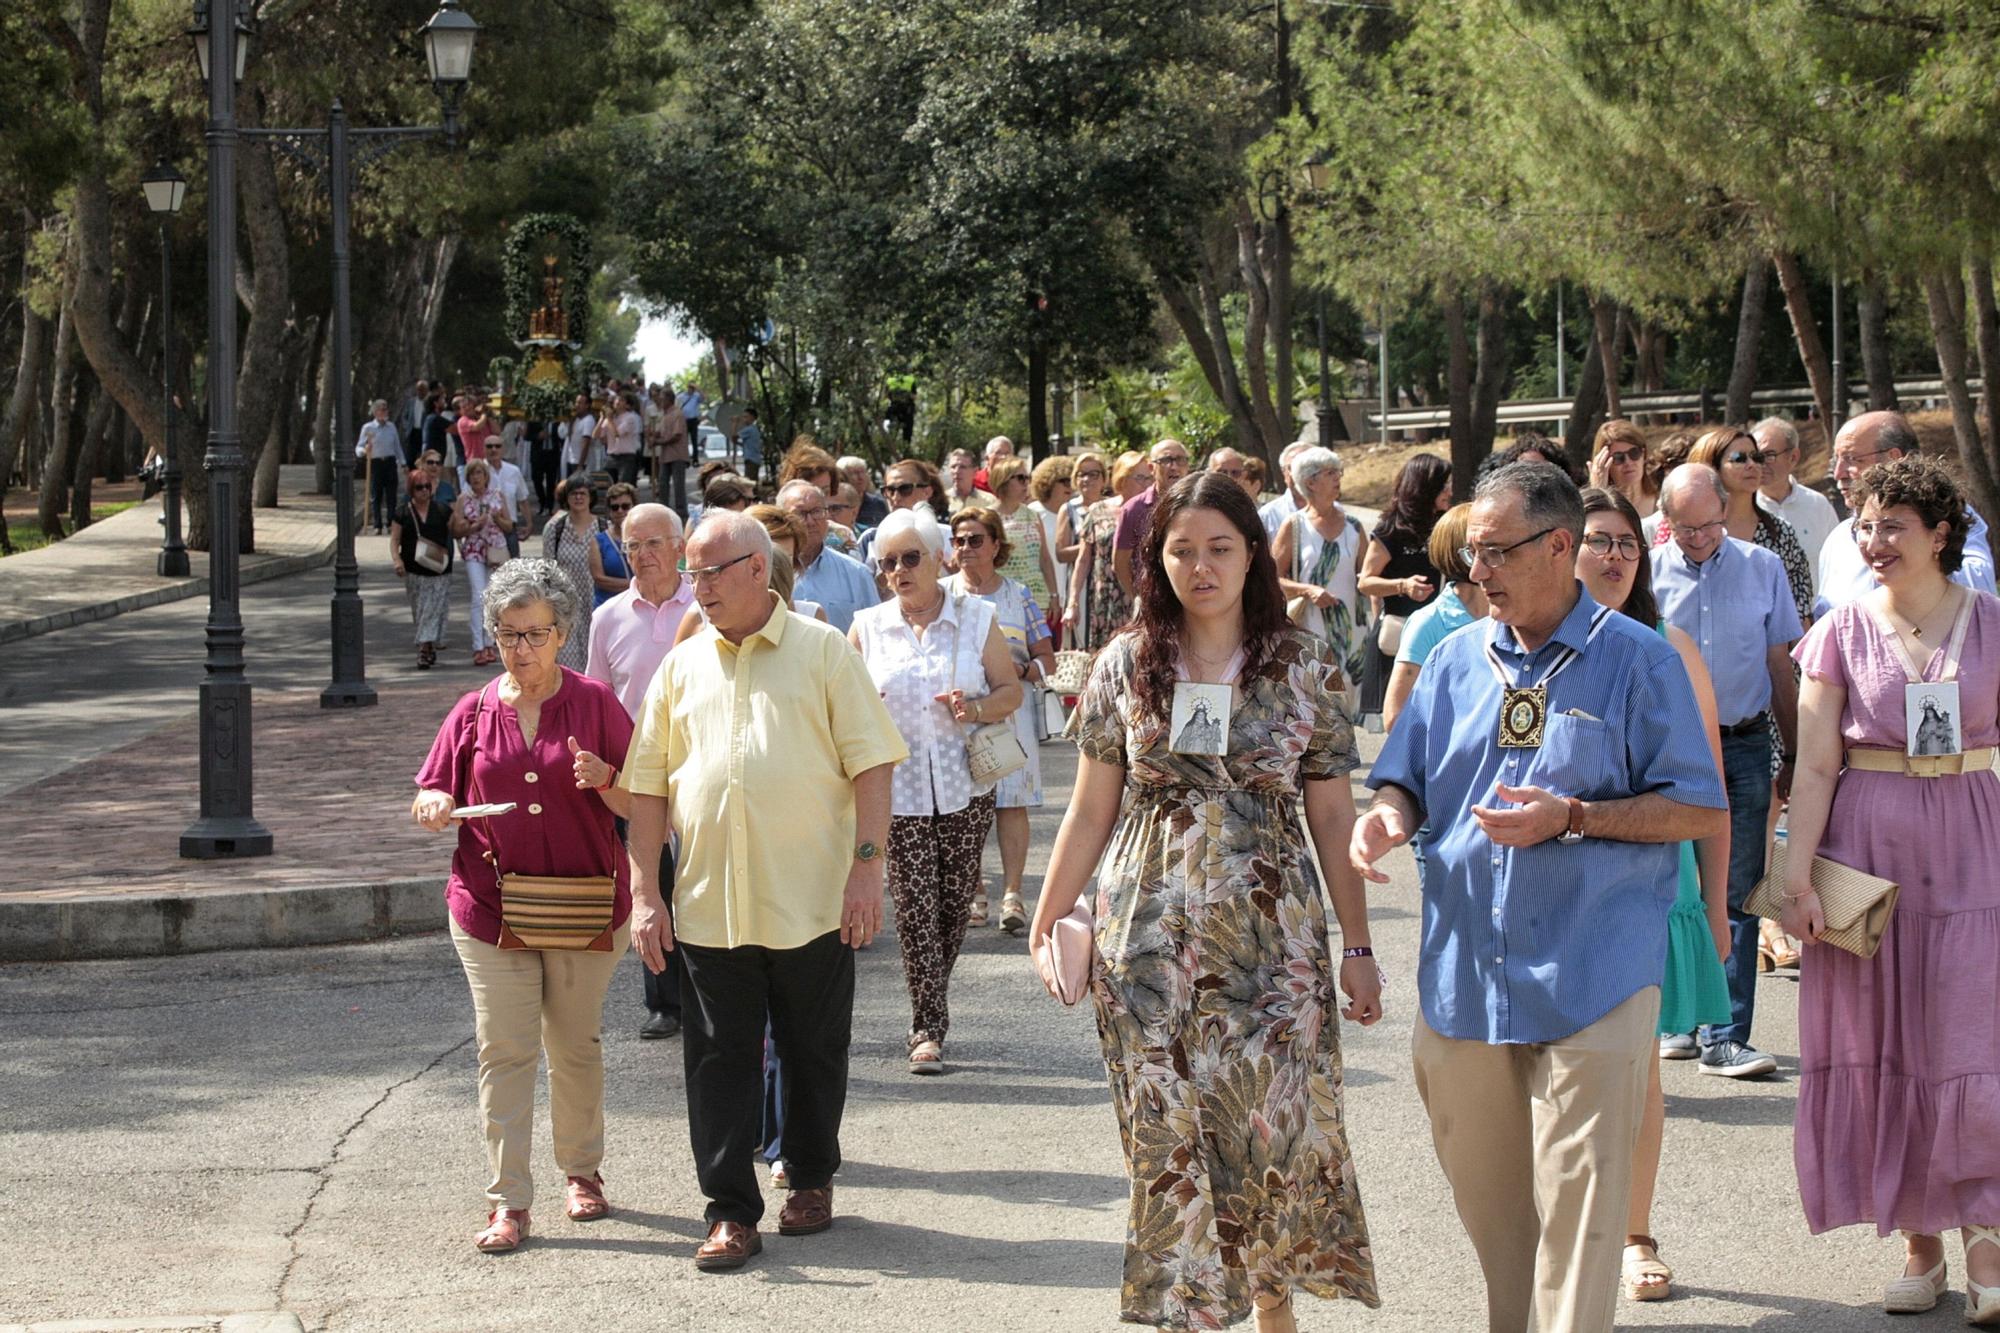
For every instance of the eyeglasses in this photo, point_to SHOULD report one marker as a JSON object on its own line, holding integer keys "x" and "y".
{"x": 1603, "y": 543}
{"x": 537, "y": 637}
{"x": 1696, "y": 529}
{"x": 1095, "y": 474}
{"x": 1742, "y": 456}
{"x": 617, "y": 508}
{"x": 1495, "y": 556}
{"x": 1233, "y": 473}
{"x": 816, "y": 512}
{"x": 711, "y": 571}
{"x": 1768, "y": 456}
{"x": 1866, "y": 530}
{"x": 419, "y": 490}
{"x": 1624, "y": 456}
{"x": 902, "y": 488}
{"x": 968, "y": 541}
{"x": 1171, "y": 460}
{"x": 650, "y": 546}
{"x": 1849, "y": 460}
{"x": 889, "y": 564}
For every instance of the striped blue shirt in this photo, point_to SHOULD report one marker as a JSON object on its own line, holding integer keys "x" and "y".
{"x": 1736, "y": 605}
{"x": 1532, "y": 944}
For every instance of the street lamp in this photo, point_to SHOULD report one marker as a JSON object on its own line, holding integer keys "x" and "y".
{"x": 165, "y": 190}
{"x": 199, "y": 33}
{"x": 225, "y": 827}
{"x": 337, "y": 153}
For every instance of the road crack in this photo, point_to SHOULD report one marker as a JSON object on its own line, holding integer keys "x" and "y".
{"x": 323, "y": 1173}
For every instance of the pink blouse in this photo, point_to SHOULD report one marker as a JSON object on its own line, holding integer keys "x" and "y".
{"x": 555, "y": 828}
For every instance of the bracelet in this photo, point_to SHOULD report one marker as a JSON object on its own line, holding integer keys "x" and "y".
{"x": 1794, "y": 897}
{"x": 1358, "y": 951}
{"x": 609, "y": 782}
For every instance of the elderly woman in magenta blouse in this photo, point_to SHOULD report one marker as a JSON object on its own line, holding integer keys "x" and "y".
{"x": 551, "y": 741}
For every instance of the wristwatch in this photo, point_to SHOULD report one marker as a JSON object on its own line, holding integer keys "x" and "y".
{"x": 1574, "y": 833}
{"x": 867, "y": 851}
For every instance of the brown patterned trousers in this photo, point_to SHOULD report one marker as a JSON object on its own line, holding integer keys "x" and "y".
{"x": 934, "y": 870}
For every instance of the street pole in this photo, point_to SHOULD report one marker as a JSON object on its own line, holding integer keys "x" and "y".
{"x": 173, "y": 562}
{"x": 1325, "y": 394}
{"x": 226, "y": 827}
{"x": 1382, "y": 352}
{"x": 1562, "y": 358}
{"x": 350, "y": 687}
{"x": 1839, "y": 386}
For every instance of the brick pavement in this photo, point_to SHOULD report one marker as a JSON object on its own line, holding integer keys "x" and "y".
{"x": 332, "y": 787}
{"x": 110, "y": 567}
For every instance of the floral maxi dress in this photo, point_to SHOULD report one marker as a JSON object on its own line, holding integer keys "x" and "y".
{"x": 1216, "y": 1000}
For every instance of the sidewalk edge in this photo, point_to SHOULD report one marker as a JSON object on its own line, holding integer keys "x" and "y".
{"x": 132, "y": 926}
{"x": 276, "y": 567}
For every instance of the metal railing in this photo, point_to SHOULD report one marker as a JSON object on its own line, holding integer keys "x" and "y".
{"x": 1707, "y": 402}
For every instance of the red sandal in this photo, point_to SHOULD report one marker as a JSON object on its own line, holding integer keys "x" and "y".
{"x": 585, "y": 1199}
{"x": 505, "y": 1229}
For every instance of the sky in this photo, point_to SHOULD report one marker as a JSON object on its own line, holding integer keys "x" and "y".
{"x": 665, "y": 350}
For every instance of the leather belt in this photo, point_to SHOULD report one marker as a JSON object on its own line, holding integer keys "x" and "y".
{"x": 1749, "y": 726}
{"x": 1875, "y": 759}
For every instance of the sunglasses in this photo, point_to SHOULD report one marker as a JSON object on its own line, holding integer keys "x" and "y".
{"x": 970, "y": 541}
{"x": 1741, "y": 456}
{"x": 1623, "y": 456}
{"x": 889, "y": 564}
{"x": 903, "y": 488}
{"x": 419, "y": 490}
{"x": 619, "y": 509}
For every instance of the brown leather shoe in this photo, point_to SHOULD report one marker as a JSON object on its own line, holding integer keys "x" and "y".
{"x": 584, "y": 1198}
{"x": 505, "y": 1229}
{"x": 806, "y": 1212}
{"x": 729, "y": 1245}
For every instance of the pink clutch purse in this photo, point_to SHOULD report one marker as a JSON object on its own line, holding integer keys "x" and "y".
{"x": 1064, "y": 955}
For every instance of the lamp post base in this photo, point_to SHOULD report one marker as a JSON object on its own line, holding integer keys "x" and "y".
{"x": 348, "y": 694}
{"x": 173, "y": 564}
{"x": 224, "y": 839}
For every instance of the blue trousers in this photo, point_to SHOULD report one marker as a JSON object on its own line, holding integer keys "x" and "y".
{"x": 1746, "y": 778}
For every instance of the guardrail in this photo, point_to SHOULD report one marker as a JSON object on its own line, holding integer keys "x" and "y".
{"x": 1707, "y": 402}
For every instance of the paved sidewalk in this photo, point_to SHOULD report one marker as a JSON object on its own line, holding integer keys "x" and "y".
{"x": 93, "y": 868}
{"x": 110, "y": 567}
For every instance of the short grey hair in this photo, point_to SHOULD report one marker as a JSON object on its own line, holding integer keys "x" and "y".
{"x": 1691, "y": 476}
{"x": 737, "y": 527}
{"x": 1779, "y": 426}
{"x": 850, "y": 462}
{"x": 1895, "y": 433}
{"x": 797, "y": 486}
{"x": 653, "y": 510}
{"x": 379, "y": 405}
{"x": 524, "y": 582}
{"x": 1549, "y": 499}
{"x": 916, "y": 519}
{"x": 1290, "y": 452}
{"x": 1309, "y": 462}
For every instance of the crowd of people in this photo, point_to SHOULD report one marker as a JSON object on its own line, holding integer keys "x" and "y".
{"x": 1601, "y": 688}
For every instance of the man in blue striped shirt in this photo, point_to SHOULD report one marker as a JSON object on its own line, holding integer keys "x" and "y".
{"x": 1559, "y": 756}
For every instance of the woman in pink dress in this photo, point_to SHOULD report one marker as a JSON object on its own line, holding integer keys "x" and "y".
{"x": 1899, "y": 1059}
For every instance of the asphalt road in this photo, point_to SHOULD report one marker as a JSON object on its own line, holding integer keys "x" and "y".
{"x": 296, "y": 1130}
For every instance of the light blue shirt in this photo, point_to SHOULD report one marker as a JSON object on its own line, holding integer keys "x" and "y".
{"x": 1845, "y": 577}
{"x": 841, "y": 585}
{"x": 1532, "y": 944}
{"x": 1736, "y": 606}
{"x": 1428, "y": 625}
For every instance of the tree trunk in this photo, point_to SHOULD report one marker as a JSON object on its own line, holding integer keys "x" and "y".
{"x": 1749, "y": 331}
{"x": 1876, "y": 362}
{"x": 261, "y": 378}
{"x": 1281, "y": 320}
{"x": 1465, "y": 455}
{"x": 1038, "y": 397}
{"x": 57, "y": 462}
{"x": 1605, "y": 321}
{"x": 1649, "y": 356}
{"x": 24, "y": 403}
{"x": 1586, "y": 412}
{"x": 1812, "y": 353}
{"x": 95, "y": 427}
{"x": 1490, "y": 381}
{"x": 1980, "y": 464}
{"x": 1212, "y": 354}
{"x": 1256, "y": 326}
{"x": 1944, "y": 299}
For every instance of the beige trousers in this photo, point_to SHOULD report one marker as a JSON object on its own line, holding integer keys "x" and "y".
{"x": 1537, "y": 1143}
{"x": 525, "y": 1002}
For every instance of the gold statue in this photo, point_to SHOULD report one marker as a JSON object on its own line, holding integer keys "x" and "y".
{"x": 549, "y": 321}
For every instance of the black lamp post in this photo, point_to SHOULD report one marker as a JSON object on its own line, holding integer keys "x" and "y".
{"x": 165, "y": 190}
{"x": 337, "y": 153}
{"x": 226, "y": 827}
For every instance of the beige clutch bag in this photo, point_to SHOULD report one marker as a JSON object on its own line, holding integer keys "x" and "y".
{"x": 1857, "y": 905}
{"x": 1063, "y": 957}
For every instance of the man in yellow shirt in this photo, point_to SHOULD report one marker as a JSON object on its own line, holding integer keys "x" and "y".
{"x": 767, "y": 745}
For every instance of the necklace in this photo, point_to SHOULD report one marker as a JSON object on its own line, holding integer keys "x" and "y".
{"x": 1917, "y": 625}
{"x": 927, "y": 612}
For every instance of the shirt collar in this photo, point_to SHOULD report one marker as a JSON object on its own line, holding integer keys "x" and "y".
{"x": 1722, "y": 553}
{"x": 773, "y": 630}
{"x": 683, "y": 594}
{"x": 1574, "y": 632}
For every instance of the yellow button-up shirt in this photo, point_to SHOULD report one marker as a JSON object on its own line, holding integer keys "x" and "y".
{"x": 755, "y": 748}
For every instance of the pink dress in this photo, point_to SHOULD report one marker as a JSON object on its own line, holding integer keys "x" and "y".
{"x": 1899, "y": 1055}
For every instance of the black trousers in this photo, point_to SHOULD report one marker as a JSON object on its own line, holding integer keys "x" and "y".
{"x": 546, "y": 464}
{"x": 807, "y": 994}
{"x": 381, "y": 491}
{"x": 663, "y": 990}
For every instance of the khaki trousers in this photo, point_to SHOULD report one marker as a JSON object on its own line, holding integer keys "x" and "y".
{"x": 525, "y": 1002}
{"x": 1537, "y": 1142}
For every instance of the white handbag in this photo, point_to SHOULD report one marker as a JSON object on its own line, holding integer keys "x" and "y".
{"x": 992, "y": 750}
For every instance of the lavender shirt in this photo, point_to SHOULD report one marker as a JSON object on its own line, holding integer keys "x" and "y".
{"x": 555, "y": 828}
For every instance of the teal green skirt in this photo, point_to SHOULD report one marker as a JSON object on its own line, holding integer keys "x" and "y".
{"x": 1694, "y": 990}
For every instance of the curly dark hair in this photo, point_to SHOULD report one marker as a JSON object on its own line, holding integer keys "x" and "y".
{"x": 1529, "y": 446}
{"x": 1927, "y": 486}
{"x": 1413, "y": 511}
{"x": 1159, "y": 616}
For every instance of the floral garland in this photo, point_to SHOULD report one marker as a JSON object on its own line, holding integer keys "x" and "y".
{"x": 520, "y": 261}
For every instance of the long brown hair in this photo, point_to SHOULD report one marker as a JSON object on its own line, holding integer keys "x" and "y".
{"x": 1640, "y": 604}
{"x": 1160, "y": 617}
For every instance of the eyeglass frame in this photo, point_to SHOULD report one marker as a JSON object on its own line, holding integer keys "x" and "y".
{"x": 713, "y": 571}
{"x": 1472, "y": 555}
{"x": 1612, "y": 543}
{"x": 889, "y": 564}
{"x": 507, "y": 640}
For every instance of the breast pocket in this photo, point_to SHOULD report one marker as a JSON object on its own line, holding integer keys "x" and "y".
{"x": 1576, "y": 758}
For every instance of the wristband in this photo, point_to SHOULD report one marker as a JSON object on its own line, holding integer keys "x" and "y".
{"x": 1358, "y": 951}
{"x": 609, "y": 782}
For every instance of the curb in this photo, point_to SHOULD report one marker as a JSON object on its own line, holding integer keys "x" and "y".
{"x": 276, "y": 567}
{"x": 131, "y": 925}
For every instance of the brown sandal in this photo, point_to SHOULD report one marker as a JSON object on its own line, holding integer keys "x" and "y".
{"x": 505, "y": 1229}
{"x": 1645, "y": 1277}
{"x": 584, "y": 1199}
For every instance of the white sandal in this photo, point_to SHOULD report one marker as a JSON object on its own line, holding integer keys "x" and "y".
{"x": 1914, "y": 1295}
{"x": 1646, "y": 1277}
{"x": 1982, "y": 1304}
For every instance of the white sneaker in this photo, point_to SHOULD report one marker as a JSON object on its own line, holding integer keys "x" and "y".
{"x": 1678, "y": 1046}
{"x": 778, "y": 1177}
